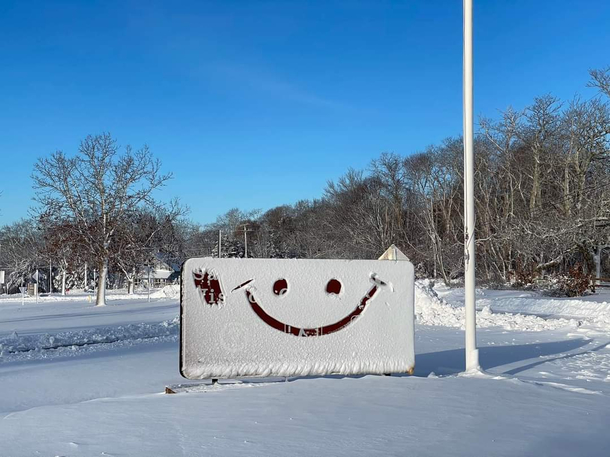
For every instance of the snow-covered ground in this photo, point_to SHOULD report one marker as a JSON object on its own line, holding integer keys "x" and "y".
{"x": 77, "y": 380}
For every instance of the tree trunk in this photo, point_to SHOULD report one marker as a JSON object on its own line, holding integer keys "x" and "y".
{"x": 101, "y": 284}
{"x": 535, "y": 195}
{"x": 441, "y": 262}
{"x": 131, "y": 282}
{"x": 566, "y": 188}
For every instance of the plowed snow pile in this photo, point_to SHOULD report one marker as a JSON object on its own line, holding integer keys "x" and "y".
{"x": 596, "y": 313}
{"x": 430, "y": 309}
{"x": 16, "y": 343}
{"x": 170, "y": 291}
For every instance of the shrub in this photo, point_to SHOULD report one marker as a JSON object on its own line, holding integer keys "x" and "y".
{"x": 577, "y": 282}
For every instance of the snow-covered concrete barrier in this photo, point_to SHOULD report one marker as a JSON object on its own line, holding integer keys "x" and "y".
{"x": 281, "y": 317}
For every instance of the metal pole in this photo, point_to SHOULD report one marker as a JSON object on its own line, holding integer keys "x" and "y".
{"x": 246, "y": 240}
{"x": 219, "y": 244}
{"x": 50, "y": 275}
{"x": 149, "y": 283}
{"x": 472, "y": 354}
{"x": 598, "y": 265}
{"x": 85, "y": 275}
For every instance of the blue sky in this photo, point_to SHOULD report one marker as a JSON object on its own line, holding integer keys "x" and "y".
{"x": 256, "y": 104}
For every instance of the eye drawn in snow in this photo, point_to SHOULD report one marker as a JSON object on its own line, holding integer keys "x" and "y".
{"x": 280, "y": 287}
{"x": 333, "y": 287}
{"x": 209, "y": 288}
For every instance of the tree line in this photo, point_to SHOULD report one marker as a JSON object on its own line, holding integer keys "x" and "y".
{"x": 542, "y": 195}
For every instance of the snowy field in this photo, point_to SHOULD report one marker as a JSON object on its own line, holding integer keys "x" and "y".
{"x": 83, "y": 381}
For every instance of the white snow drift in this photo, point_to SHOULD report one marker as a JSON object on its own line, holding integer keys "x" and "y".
{"x": 430, "y": 309}
{"x": 15, "y": 343}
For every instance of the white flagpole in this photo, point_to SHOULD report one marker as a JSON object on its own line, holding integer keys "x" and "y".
{"x": 472, "y": 354}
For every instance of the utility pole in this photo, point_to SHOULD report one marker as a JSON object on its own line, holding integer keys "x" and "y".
{"x": 149, "y": 283}
{"x": 86, "y": 282}
{"x": 246, "y": 241}
{"x": 219, "y": 244}
{"x": 36, "y": 284}
{"x": 50, "y": 276}
{"x": 472, "y": 354}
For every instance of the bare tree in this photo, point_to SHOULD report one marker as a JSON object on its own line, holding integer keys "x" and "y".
{"x": 601, "y": 80}
{"x": 142, "y": 239}
{"x": 61, "y": 249}
{"x": 96, "y": 190}
{"x": 542, "y": 123}
{"x": 22, "y": 243}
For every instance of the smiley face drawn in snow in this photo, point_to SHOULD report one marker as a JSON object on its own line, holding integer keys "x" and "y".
{"x": 333, "y": 287}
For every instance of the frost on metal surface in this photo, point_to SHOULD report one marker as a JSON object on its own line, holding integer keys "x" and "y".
{"x": 279, "y": 317}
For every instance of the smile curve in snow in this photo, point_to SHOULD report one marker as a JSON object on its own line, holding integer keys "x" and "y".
{"x": 318, "y": 331}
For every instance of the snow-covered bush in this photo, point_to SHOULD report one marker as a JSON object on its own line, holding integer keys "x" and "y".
{"x": 576, "y": 282}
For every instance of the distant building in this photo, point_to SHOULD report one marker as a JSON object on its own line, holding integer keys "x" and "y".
{"x": 161, "y": 274}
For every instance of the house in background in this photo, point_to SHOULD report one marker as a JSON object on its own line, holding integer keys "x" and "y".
{"x": 161, "y": 274}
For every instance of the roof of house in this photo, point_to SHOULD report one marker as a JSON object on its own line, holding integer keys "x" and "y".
{"x": 160, "y": 273}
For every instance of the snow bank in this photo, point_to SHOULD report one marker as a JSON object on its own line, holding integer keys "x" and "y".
{"x": 595, "y": 312}
{"x": 16, "y": 343}
{"x": 111, "y": 296}
{"x": 171, "y": 291}
{"x": 430, "y": 309}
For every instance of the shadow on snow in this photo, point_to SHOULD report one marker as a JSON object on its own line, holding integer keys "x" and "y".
{"x": 452, "y": 361}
